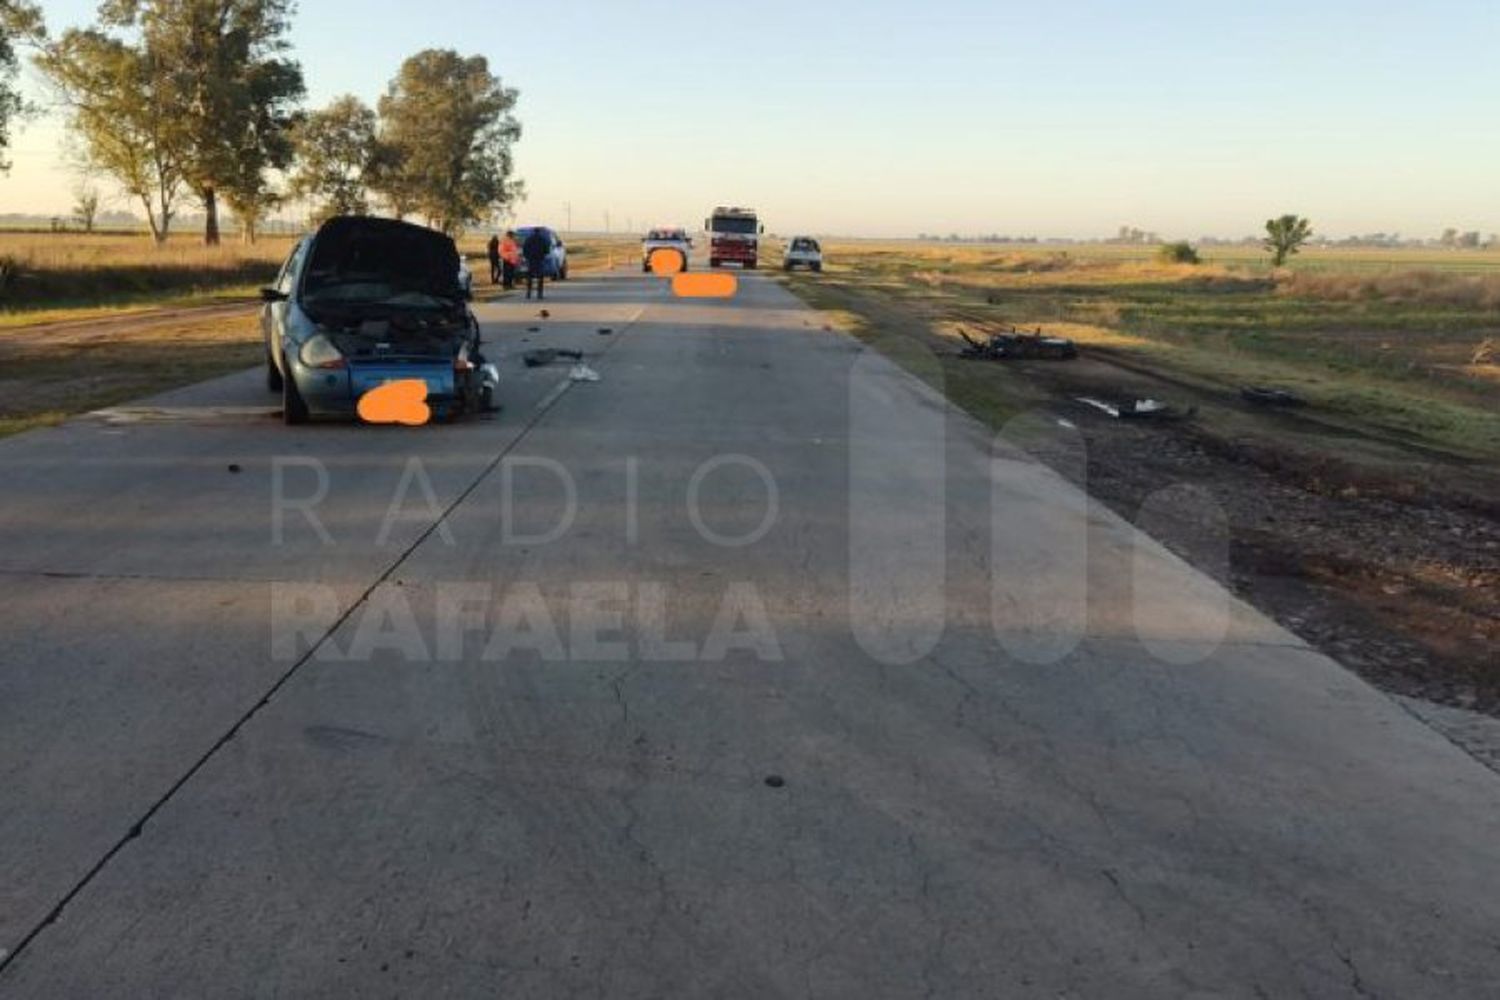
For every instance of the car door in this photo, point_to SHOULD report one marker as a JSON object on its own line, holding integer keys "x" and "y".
{"x": 273, "y": 314}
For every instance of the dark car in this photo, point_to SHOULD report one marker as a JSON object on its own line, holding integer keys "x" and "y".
{"x": 363, "y": 302}
{"x": 557, "y": 254}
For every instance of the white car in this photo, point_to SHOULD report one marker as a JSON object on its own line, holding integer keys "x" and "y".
{"x": 665, "y": 238}
{"x": 803, "y": 251}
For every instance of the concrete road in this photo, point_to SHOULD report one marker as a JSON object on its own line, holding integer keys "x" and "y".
{"x": 749, "y": 670}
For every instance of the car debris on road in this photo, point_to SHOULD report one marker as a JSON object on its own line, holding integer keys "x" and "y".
{"x": 1017, "y": 346}
{"x": 547, "y": 355}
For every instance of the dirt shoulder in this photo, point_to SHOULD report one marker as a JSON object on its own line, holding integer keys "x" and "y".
{"x": 1377, "y": 550}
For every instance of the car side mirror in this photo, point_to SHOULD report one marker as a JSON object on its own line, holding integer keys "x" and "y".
{"x": 763, "y": 230}
{"x": 272, "y": 295}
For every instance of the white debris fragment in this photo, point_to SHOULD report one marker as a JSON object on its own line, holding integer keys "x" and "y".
{"x": 583, "y": 373}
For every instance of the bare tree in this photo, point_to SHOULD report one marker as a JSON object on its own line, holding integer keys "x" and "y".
{"x": 86, "y": 206}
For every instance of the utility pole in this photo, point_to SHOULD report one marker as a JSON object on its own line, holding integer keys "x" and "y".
{"x": 606, "y": 223}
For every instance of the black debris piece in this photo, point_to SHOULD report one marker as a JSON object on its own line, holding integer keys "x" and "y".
{"x": 1261, "y": 395}
{"x": 547, "y": 355}
{"x": 1017, "y": 346}
{"x": 605, "y": 331}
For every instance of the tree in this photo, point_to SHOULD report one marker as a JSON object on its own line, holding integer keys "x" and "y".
{"x": 18, "y": 20}
{"x": 1285, "y": 236}
{"x": 86, "y": 207}
{"x": 335, "y": 151}
{"x": 115, "y": 97}
{"x": 232, "y": 92}
{"x": 251, "y": 199}
{"x": 446, "y": 134}
{"x": 1181, "y": 252}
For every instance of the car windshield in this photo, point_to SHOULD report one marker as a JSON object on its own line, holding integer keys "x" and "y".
{"x": 666, "y": 234}
{"x": 804, "y": 244}
{"x": 743, "y": 227}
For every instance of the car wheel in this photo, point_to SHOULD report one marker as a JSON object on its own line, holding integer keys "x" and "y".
{"x": 750, "y": 266}
{"x": 645, "y": 267}
{"x": 713, "y": 262}
{"x": 563, "y": 274}
{"x": 293, "y": 406}
{"x": 818, "y": 268}
{"x": 273, "y": 374}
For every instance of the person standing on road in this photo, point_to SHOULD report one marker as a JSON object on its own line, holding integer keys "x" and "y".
{"x": 536, "y": 250}
{"x": 510, "y": 258}
{"x": 494, "y": 249}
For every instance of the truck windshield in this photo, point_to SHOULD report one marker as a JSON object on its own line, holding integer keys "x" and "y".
{"x": 744, "y": 227}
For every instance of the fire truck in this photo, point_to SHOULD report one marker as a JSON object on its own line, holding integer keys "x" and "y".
{"x": 734, "y": 237}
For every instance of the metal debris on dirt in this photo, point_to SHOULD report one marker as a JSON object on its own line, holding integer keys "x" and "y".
{"x": 1017, "y": 346}
{"x": 1262, "y": 395}
{"x": 605, "y": 331}
{"x": 1140, "y": 409}
{"x": 547, "y": 355}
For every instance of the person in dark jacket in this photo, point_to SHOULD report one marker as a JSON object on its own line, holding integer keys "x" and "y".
{"x": 537, "y": 249}
{"x": 494, "y": 248}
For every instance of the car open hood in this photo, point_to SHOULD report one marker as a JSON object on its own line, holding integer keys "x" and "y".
{"x": 410, "y": 257}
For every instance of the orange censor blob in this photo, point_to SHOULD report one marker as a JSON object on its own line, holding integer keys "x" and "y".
{"x": 402, "y": 402}
{"x": 707, "y": 285}
{"x": 665, "y": 262}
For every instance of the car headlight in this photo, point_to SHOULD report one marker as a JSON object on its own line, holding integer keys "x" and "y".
{"x": 319, "y": 352}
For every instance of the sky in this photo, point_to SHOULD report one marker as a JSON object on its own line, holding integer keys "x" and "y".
{"x": 889, "y": 117}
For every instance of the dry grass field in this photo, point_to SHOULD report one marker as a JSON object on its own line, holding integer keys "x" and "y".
{"x": 47, "y": 277}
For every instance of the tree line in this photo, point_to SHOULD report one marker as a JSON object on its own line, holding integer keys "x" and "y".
{"x": 202, "y": 100}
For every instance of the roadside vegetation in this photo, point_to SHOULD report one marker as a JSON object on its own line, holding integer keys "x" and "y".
{"x": 1395, "y": 349}
{"x": 67, "y": 271}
